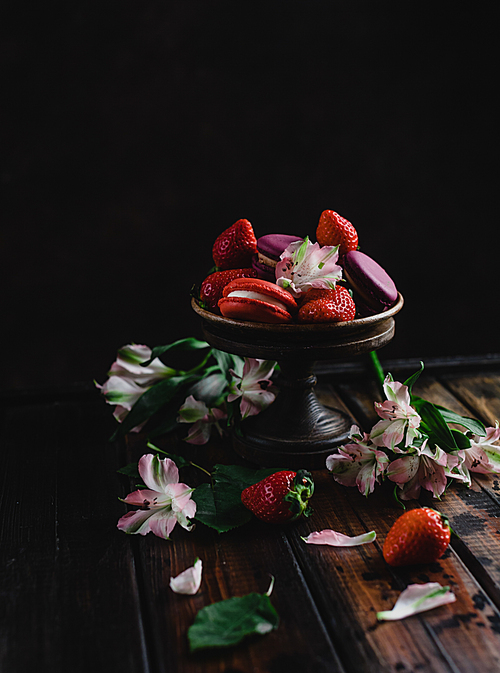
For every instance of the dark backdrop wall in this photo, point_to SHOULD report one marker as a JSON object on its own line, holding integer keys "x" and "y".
{"x": 135, "y": 132}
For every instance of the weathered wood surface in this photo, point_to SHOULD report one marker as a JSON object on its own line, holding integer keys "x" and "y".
{"x": 77, "y": 593}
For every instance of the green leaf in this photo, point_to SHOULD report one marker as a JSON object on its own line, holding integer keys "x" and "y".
{"x": 130, "y": 470}
{"x": 188, "y": 344}
{"x": 151, "y": 401}
{"x": 180, "y": 461}
{"x": 228, "y": 622}
{"x": 471, "y": 424}
{"x": 410, "y": 382}
{"x": 220, "y": 506}
{"x": 461, "y": 440}
{"x": 434, "y": 425}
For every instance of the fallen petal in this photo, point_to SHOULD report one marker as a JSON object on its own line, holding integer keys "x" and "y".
{"x": 418, "y": 598}
{"x": 334, "y": 539}
{"x": 189, "y": 581}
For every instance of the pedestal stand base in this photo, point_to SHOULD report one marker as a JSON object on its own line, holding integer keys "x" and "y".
{"x": 296, "y": 431}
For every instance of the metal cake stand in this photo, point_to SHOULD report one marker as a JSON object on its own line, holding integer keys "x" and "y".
{"x": 296, "y": 431}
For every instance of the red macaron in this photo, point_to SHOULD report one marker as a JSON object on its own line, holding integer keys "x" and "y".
{"x": 257, "y": 300}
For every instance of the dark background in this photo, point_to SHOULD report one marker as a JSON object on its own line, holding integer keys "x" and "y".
{"x": 133, "y": 133}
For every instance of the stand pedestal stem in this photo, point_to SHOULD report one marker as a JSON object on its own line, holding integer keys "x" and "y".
{"x": 296, "y": 430}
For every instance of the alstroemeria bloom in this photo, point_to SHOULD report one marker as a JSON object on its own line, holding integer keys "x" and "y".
{"x": 254, "y": 386}
{"x": 400, "y": 418}
{"x": 162, "y": 504}
{"x": 305, "y": 265}
{"x": 418, "y": 598}
{"x": 425, "y": 468}
{"x": 359, "y": 464}
{"x": 128, "y": 380}
{"x": 128, "y": 364}
{"x": 196, "y": 412}
{"x": 483, "y": 456}
{"x": 188, "y": 581}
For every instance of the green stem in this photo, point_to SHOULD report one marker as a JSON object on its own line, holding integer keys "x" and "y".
{"x": 377, "y": 371}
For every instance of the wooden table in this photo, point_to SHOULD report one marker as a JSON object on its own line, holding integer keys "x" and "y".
{"x": 78, "y": 594}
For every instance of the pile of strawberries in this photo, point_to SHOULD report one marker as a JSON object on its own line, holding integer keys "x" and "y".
{"x": 232, "y": 254}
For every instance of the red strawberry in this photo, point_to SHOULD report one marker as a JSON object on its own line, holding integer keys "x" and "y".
{"x": 335, "y": 230}
{"x": 235, "y": 247}
{"x": 418, "y": 536}
{"x": 335, "y": 305}
{"x": 213, "y": 285}
{"x": 280, "y": 497}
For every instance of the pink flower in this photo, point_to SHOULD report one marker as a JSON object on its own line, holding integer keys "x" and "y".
{"x": 483, "y": 455}
{"x": 426, "y": 468}
{"x": 128, "y": 380}
{"x": 400, "y": 419}
{"x": 305, "y": 265}
{"x": 254, "y": 386}
{"x": 162, "y": 504}
{"x": 359, "y": 464}
{"x": 189, "y": 581}
{"x": 203, "y": 418}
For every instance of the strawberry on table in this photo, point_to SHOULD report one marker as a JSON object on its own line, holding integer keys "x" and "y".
{"x": 333, "y": 229}
{"x": 213, "y": 285}
{"x": 235, "y": 247}
{"x": 335, "y": 305}
{"x": 418, "y": 536}
{"x": 282, "y": 496}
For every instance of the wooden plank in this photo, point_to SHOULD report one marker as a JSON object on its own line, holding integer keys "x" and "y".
{"x": 479, "y": 392}
{"x": 235, "y": 563}
{"x": 70, "y": 600}
{"x": 353, "y": 514}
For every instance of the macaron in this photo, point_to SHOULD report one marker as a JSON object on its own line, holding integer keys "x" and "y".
{"x": 269, "y": 249}
{"x": 257, "y": 300}
{"x": 373, "y": 288}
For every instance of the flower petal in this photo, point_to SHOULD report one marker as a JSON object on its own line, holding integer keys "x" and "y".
{"x": 188, "y": 581}
{"x": 334, "y": 539}
{"x": 158, "y": 473}
{"x": 136, "y": 522}
{"x": 418, "y": 598}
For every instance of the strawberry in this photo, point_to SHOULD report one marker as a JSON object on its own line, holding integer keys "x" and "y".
{"x": 418, "y": 536}
{"x": 213, "y": 285}
{"x": 327, "y": 306}
{"x": 235, "y": 247}
{"x": 335, "y": 230}
{"x": 283, "y": 496}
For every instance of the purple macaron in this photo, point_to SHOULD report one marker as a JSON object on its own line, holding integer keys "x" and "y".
{"x": 373, "y": 288}
{"x": 269, "y": 249}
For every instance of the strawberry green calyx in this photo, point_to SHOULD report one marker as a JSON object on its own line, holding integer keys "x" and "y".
{"x": 299, "y": 495}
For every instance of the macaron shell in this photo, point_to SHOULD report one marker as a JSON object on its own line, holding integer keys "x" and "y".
{"x": 263, "y": 287}
{"x": 240, "y": 308}
{"x": 369, "y": 280}
{"x": 263, "y": 271}
{"x": 272, "y": 245}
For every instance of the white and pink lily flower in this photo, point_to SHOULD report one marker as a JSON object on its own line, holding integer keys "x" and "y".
{"x": 304, "y": 265}
{"x": 358, "y": 464}
{"x": 203, "y": 419}
{"x": 128, "y": 365}
{"x": 400, "y": 420}
{"x": 128, "y": 380}
{"x": 418, "y": 598}
{"x": 162, "y": 504}
{"x": 253, "y": 386}
{"x": 189, "y": 581}
{"x": 425, "y": 468}
{"x": 483, "y": 456}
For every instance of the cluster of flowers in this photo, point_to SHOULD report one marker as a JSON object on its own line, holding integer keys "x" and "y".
{"x": 136, "y": 371}
{"x": 415, "y": 450}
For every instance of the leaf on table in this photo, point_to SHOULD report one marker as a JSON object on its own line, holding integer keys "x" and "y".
{"x": 228, "y": 622}
{"x": 219, "y": 506}
{"x": 418, "y": 598}
{"x": 130, "y": 470}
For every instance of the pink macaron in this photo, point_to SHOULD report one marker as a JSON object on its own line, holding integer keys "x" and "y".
{"x": 257, "y": 300}
{"x": 269, "y": 249}
{"x": 373, "y": 288}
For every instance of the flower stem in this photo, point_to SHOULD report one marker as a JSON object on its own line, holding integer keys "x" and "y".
{"x": 377, "y": 370}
